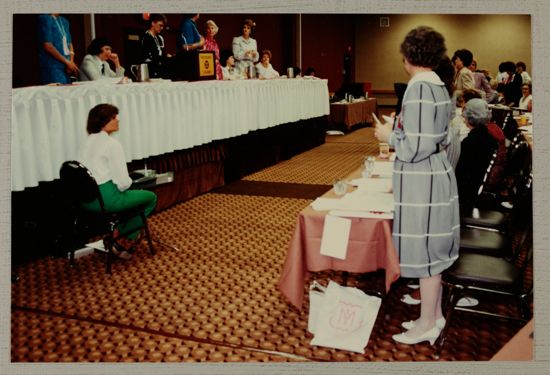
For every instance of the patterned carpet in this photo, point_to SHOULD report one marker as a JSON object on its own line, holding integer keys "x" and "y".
{"x": 216, "y": 299}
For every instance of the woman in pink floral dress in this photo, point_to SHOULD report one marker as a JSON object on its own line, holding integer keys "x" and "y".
{"x": 210, "y": 44}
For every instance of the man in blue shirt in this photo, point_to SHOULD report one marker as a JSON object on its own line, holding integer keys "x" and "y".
{"x": 55, "y": 52}
{"x": 189, "y": 38}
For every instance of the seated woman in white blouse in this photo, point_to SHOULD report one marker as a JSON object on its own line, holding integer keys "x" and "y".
{"x": 526, "y": 100}
{"x": 95, "y": 64}
{"x": 104, "y": 157}
{"x": 229, "y": 71}
{"x": 264, "y": 68}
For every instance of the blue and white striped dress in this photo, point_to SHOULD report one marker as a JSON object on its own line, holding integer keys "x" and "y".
{"x": 426, "y": 225}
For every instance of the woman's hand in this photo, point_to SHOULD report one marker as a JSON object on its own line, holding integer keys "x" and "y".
{"x": 114, "y": 58}
{"x": 382, "y": 132}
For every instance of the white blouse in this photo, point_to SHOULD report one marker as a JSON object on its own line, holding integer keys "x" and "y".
{"x": 104, "y": 157}
{"x": 524, "y": 102}
{"x": 266, "y": 73}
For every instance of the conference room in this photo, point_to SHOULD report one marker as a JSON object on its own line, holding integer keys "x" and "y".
{"x": 274, "y": 202}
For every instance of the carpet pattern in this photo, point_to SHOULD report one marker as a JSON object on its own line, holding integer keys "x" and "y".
{"x": 216, "y": 300}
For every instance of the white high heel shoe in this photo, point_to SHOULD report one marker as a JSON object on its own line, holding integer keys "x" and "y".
{"x": 430, "y": 335}
{"x": 439, "y": 323}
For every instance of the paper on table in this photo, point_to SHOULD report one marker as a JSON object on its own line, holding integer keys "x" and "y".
{"x": 325, "y": 204}
{"x": 382, "y": 185}
{"x": 383, "y": 169}
{"x": 362, "y": 214}
{"x": 367, "y": 201}
{"x": 334, "y": 242}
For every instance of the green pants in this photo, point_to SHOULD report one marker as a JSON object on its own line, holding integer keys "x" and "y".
{"x": 116, "y": 201}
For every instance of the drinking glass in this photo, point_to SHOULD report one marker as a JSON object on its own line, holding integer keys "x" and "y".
{"x": 384, "y": 150}
{"x": 340, "y": 187}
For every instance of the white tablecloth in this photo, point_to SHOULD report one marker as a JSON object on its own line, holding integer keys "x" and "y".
{"x": 49, "y": 122}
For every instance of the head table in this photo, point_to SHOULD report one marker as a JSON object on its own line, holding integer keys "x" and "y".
{"x": 49, "y": 122}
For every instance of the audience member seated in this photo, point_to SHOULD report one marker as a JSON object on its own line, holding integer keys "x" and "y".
{"x": 103, "y": 155}
{"x": 526, "y": 101}
{"x": 264, "y": 68}
{"x": 464, "y": 78}
{"x": 482, "y": 85}
{"x": 210, "y": 44}
{"x": 152, "y": 46}
{"x": 476, "y": 151}
{"x": 310, "y": 72}
{"x": 521, "y": 69}
{"x": 229, "y": 71}
{"x": 245, "y": 49}
{"x": 95, "y": 65}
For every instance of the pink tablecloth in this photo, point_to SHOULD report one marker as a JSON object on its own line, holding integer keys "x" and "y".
{"x": 370, "y": 248}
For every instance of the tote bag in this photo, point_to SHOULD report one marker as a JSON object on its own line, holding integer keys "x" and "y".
{"x": 345, "y": 318}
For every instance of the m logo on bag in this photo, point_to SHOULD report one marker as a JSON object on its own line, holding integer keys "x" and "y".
{"x": 347, "y": 317}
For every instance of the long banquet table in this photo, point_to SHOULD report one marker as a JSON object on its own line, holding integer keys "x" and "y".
{"x": 49, "y": 122}
{"x": 370, "y": 247}
{"x": 207, "y": 133}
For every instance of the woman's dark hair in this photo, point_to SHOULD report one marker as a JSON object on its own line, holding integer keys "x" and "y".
{"x": 529, "y": 86}
{"x": 95, "y": 45}
{"x": 267, "y": 52}
{"x": 465, "y": 56}
{"x": 521, "y": 64}
{"x": 99, "y": 116}
{"x": 509, "y": 66}
{"x": 250, "y": 23}
{"x": 157, "y": 17}
{"x": 446, "y": 72}
{"x": 224, "y": 55}
{"x": 423, "y": 46}
{"x": 310, "y": 71}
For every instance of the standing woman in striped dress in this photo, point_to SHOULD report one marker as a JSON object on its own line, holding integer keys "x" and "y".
{"x": 426, "y": 226}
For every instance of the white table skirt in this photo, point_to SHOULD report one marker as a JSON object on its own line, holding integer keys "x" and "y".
{"x": 49, "y": 122}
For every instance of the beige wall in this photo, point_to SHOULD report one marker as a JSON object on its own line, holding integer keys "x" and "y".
{"x": 491, "y": 38}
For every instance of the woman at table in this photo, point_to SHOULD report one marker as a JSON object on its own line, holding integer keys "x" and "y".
{"x": 55, "y": 53}
{"x": 264, "y": 68}
{"x": 103, "y": 155}
{"x": 210, "y": 44}
{"x": 526, "y": 100}
{"x": 229, "y": 72}
{"x": 152, "y": 46}
{"x": 426, "y": 229}
{"x": 245, "y": 49}
{"x": 95, "y": 64}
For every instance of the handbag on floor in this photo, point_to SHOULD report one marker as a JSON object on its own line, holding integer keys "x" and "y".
{"x": 343, "y": 317}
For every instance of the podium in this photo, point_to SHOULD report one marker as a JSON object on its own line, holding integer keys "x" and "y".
{"x": 194, "y": 66}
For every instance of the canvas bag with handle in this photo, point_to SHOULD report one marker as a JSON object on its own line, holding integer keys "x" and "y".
{"x": 344, "y": 319}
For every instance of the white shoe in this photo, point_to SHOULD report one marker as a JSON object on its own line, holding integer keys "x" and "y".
{"x": 413, "y": 286}
{"x": 467, "y": 302}
{"x": 409, "y": 300}
{"x": 430, "y": 335}
{"x": 439, "y": 323}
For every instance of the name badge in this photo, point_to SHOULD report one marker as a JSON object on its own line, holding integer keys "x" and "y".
{"x": 66, "y": 50}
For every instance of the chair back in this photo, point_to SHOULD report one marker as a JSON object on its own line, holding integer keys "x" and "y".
{"x": 79, "y": 184}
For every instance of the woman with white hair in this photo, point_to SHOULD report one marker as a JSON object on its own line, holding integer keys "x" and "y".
{"x": 210, "y": 44}
{"x": 475, "y": 152}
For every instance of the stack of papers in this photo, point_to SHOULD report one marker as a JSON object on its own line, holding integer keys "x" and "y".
{"x": 356, "y": 201}
{"x": 383, "y": 169}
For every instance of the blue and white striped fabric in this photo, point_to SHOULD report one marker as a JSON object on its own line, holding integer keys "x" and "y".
{"x": 426, "y": 225}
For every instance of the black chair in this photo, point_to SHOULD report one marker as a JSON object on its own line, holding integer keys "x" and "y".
{"x": 81, "y": 187}
{"x": 481, "y": 275}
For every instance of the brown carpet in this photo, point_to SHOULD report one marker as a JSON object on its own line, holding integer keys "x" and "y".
{"x": 216, "y": 299}
{"x": 274, "y": 189}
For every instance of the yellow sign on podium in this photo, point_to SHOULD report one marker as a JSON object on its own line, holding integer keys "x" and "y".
{"x": 206, "y": 64}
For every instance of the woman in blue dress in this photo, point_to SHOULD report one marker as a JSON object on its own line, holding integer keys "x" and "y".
{"x": 426, "y": 225}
